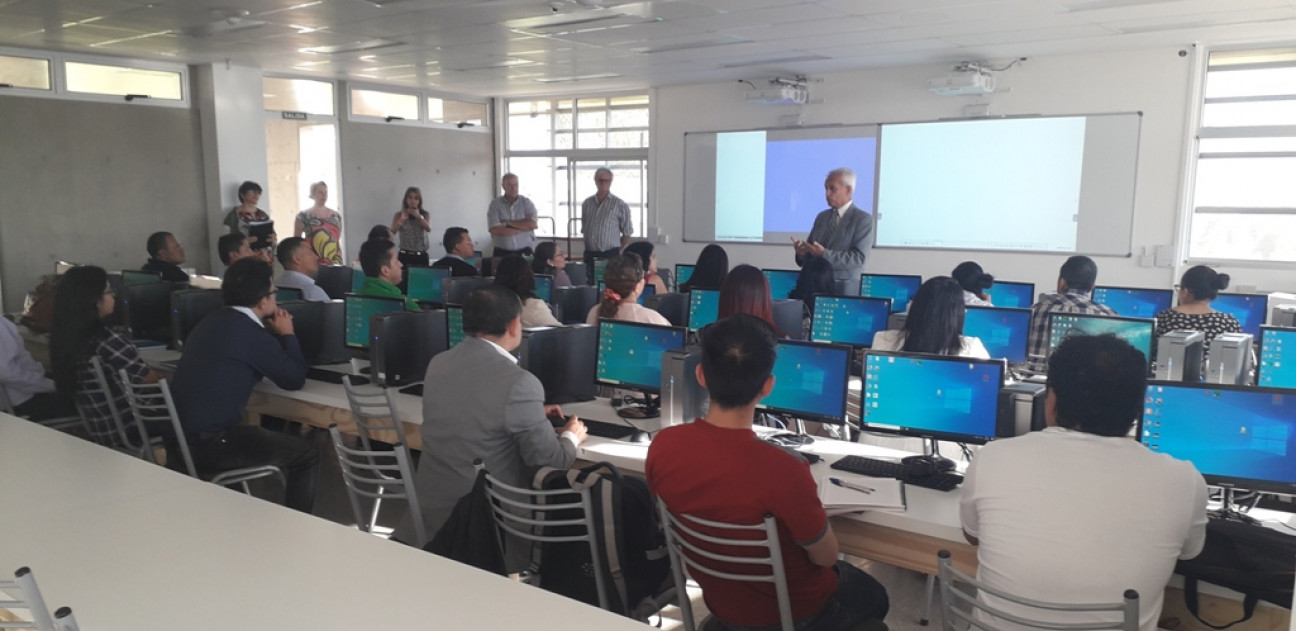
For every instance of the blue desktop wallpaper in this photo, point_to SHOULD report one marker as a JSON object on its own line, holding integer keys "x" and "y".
{"x": 1276, "y": 370}
{"x": 630, "y": 354}
{"x": 704, "y": 308}
{"x": 925, "y": 395}
{"x": 454, "y": 325}
{"x": 425, "y": 283}
{"x": 900, "y": 289}
{"x": 1132, "y": 302}
{"x": 848, "y": 320}
{"x": 544, "y": 287}
{"x": 683, "y": 272}
{"x": 810, "y": 381}
{"x": 1063, "y": 325}
{"x": 1249, "y": 309}
{"x": 781, "y": 282}
{"x": 1002, "y": 331}
{"x": 1009, "y": 294}
{"x": 359, "y": 309}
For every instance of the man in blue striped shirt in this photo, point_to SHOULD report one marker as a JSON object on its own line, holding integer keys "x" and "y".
{"x": 604, "y": 217}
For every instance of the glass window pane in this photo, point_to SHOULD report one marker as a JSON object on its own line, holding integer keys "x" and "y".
{"x": 562, "y": 141}
{"x": 591, "y": 120}
{"x": 565, "y": 105}
{"x": 1245, "y": 237}
{"x": 590, "y": 104}
{"x": 629, "y": 118}
{"x": 542, "y": 182}
{"x": 638, "y": 99}
{"x": 1259, "y": 82}
{"x": 591, "y": 140}
{"x": 121, "y": 80}
{"x": 1249, "y": 114}
{"x": 25, "y": 72}
{"x": 1234, "y": 57}
{"x": 384, "y": 104}
{"x": 298, "y": 95}
{"x": 529, "y": 133}
{"x": 451, "y": 111}
{"x": 1245, "y": 182}
{"x": 627, "y": 139}
{"x": 528, "y": 107}
{"x": 563, "y": 121}
{"x": 1235, "y": 145}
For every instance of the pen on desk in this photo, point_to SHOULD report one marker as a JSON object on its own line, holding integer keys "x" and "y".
{"x": 854, "y": 487}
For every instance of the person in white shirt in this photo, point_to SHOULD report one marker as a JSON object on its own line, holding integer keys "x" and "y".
{"x": 1081, "y": 512}
{"x": 974, "y": 282}
{"x": 23, "y": 379}
{"x": 934, "y": 324}
{"x": 300, "y": 265}
{"x": 623, "y": 279}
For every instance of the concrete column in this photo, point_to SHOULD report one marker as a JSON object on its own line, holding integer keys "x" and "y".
{"x": 232, "y": 112}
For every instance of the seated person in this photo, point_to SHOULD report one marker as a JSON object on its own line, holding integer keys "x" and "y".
{"x": 709, "y": 270}
{"x": 623, "y": 278}
{"x": 974, "y": 282}
{"x": 1197, "y": 288}
{"x": 225, "y": 356}
{"x": 752, "y": 480}
{"x": 934, "y": 324}
{"x": 300, "y": 264}
{"x": 232, "y": 247}
{"x": 459, "y": 248}
{"x": 514, "y": 273}
{"x": 1078, "y": 513}
{"x": 379, "y": 232}
{"x": 23, "y": 379}
{"x": 647, "y": 254}
{"x": 746, "y": 290}
{"x": 1075, "y": 285}
{"x": 382, "y": 270}
{"x": 814, "y": 279}
{"x": 478, "y": 403}
{"x": 165, "y": 256}
{"x": 550, "y": 259}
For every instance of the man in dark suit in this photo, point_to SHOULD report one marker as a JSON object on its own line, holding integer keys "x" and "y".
{"x": 225, "y": 356}
{"x": 840, "y": 234}
{"x": 459, "y": 247}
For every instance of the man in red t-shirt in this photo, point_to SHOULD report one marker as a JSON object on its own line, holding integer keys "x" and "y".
{"x": 716, "y": 468}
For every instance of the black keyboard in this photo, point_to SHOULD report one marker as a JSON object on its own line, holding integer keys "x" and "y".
{"x": 891, "y": 469}
{"x": 615, "y": 431}
{"x": 332, "y": 376}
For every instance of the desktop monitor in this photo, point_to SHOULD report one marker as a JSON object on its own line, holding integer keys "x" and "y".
{"x": 629, "y": 354}
{"x": 810, "y": 381}
{"x": 1249, "y": 309}
{"x": 455, "y": 290}
{"x": 320, "y": 327}
{"x": 454, "y": 325}
{"x": 336, "y": 280}
{"x": 599, "y": 266}
{"x": 357, "y": 280}
{"x": 1010, "y": 294}
{"x": 544, "y": 287}
{"x": 288, "y": 294}
{"x": 1002, "y": 330}
{"x": 704, "y": 308}
{"x": 852, "y": 320}
{"x": 648, "y": 290}
{"x": 403, "y": 344}
{"x": 562, "y": 358}
{"x": 360, "y": 311}
{"x": 189, "y": 307}
{"x": 683, "y": 272}
{"x": 781, "y": 282}
{"x": 1134, "y": 302}
{"x": 1276, "y": 370}
{"x": 1136, "y": 331}
{"x": 574, "y": 303}
{"x": 1237, "y": 436}
{"x": 900, "y": 288}
{"x": 139, "y": 277}
{"x": 932, "y": 396}
{"x": 424, "y": 283}
{"x": 147, "y": 310}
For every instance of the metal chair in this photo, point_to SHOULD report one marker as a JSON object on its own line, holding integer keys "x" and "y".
{"x": 378, "y": 475}
{"x": 22, "y": 593}
{"x": 62, "y": 423}
{"x": 114, "y": 432}
{"x": 153, "y": 402}
{"x": 697, "y": 552}
{"x": 374, "y": 410}
{"x": 951, "y": 596}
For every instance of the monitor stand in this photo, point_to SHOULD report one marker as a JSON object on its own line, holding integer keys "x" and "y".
{"x": 1231, "y": 510}
{"x": 650, "y": 407}
{"x": 932, "y": 460}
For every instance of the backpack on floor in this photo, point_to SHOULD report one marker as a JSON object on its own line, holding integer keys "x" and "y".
{"x": 1248, "y": 558}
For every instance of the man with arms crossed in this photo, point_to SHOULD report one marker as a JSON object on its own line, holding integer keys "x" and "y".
{"x": 840, "y": 234}
{"x": 604, "y": 217}
{"x": 1080, "y": 512}
{"x": 512, "y": 220}
{"x": 715, "y": 468}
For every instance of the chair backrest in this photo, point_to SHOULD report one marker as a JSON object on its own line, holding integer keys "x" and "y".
{"x": 960, "y": 605}
{"x": 378, "y": 475}
{"x": 116, "y": 432}
{"x": 700, "y": 552}
{"x": 374, "y": 410}
{"x": 529, "y": 514}
{"x": 673, "y": 307}
{"x": 22, "y": 593}
{"x": 153, "y": 402}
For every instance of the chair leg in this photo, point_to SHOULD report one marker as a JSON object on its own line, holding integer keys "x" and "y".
{"x": 931, "y": 587}
{"x": 377, "y": 505}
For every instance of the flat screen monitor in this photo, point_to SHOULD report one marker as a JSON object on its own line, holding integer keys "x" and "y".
{"x": 360, "y": 310}
{"x": 1136, "y": 331}
{"x": 454, "y": 325}
{"x": 1234, "y": 435}
{"x": 1010, "y": 294}
{"x": 810, "y": 381}
{"x": 683, "y": 272}
{"x": 931, "y": 396}
{"x": 599, "y": 266}
{"x": 139, "y": 277}
{"x": 288, "y": 294}
{"x": 900, "y": 288}
{"x": 403, "y": 344}
{"x": 1134, "y": 302}
{"x": 1276, "y": 369}
{"x": 147, "y": 310}
{"x": 630, "y": 353}
{"x": 781, "y": 282}
{"x": 336, "y": 280}
{"x": 1250, "y": 309}
{"x": 704, "y": 308}
{"x": 544, "y": 287}
{"x": 357, "y": 280}
{"x": 424, "y": 283}
{"x": 320, "y": 327}
{"x": 455, "y": 290}
{"x": 189, "y": 307}
{"x": 852, "y": 320}
{"x": 1003, "y": 331}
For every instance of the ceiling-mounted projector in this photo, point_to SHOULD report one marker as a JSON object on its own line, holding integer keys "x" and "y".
{"x": 778, "y": 95}
{"x": 962, "y": 83}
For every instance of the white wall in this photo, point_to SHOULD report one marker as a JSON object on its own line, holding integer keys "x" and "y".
{"x": 1156, "y": 82}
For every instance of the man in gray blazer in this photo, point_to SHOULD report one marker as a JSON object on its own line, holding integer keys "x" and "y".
{"x": 840, "y": 234}
{"x": 478, "y": 403}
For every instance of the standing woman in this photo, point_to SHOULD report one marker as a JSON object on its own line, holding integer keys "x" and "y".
{"x": 247, "y": 213}
{"x": 550, "y": 259}
{"x": 321, "y": 226}
{"x": 1197, "y": 288}
{"x": 411, "y": 223}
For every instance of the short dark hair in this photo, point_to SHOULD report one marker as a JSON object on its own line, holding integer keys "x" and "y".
{"x": 738, "y": 355}
{"x": 156, "y": 242}
{"x": 379, "y": 232}
{"x": 971, "y": 277}
{"x": 374, "y": 254}
{"x": 246, "y": 282}
{"x": 286, "y": 249}
{"x": 1099, "y": 382}
{"x": 229, "y": 244}
{"x": 248, "y": 187}
{"x": 1203, "y": 282}
{"x": 1079, "y": 272}
{"x": 451, "y": 237}
{"x": 489, "y": 309}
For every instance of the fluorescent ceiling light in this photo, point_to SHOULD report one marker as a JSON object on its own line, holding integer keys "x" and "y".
{"x": 353, "y": 47}
{"x": 588, "y": 77}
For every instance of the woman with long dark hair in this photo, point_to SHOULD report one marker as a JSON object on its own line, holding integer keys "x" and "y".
{"x": 934, "y": 323}
{"x": 550, "y": 259}
{"x": 411, "y": 224}
{"x": 514, "y": 273}
{"x": 645, "y": 251}
{"x": 746, "y": 290}
{"x": 974, "y": 282}
{"x": 709, "y": 271}
{"x": 623, "y": 282}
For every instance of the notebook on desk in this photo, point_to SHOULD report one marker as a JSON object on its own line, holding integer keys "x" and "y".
{"x": 882, "y": 494}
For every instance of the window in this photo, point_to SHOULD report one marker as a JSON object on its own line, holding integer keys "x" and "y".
{"x": 73, "y": 76}
{"x": 384, "y": 104}
{"x": 462, "y": 113}
{"x": 91, "y": 78}
{"x": 298, "y": 95}
{"x": 419, "y": 108}
{"x": 1243, "y": 203}
{"x": 25, "y": 72}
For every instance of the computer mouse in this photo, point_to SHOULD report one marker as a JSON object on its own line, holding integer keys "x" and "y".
{"x": 640, "y": 437}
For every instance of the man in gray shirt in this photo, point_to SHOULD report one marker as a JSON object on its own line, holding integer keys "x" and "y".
{"x": 512, "y": 220}
{"x": 604, "y": 217}
{"x": 300, "y": 267}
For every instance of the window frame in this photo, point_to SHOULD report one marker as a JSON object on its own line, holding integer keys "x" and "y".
{"x": 310, "y": 116}
{"x": 58, "y": 78}
{"x": 422, "y": 96}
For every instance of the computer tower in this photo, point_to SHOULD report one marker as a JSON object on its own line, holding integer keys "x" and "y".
{"x": 1179, "y": 356}
{"x": 1283, "y": 315}
{"x": 1230, "y": 359}
{"x": 1021, "y": 409}
{"x": 683, "y": 399}
{"x": 562, "y": 358}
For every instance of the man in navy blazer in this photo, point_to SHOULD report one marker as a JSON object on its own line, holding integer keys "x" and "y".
{"x": 840, "y": 234}
{"x": 225, "y": 356}
{"x": 459, "y": 247}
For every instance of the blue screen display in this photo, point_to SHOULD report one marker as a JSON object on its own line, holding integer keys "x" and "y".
{"x": 544, "y": 287}
{"x": 1277, "y": 370}
{"x": 1003, "y": 331}
{"x": 849, "y": 319}
{"x": 931, "y": 396}
{"x": 1249, "y": 309}
{"x": 704, "y": 308}
{"x": 1243, "y": 434}
{"x": 287, "y": 294}
{"x": 359, "y": 309}
{"x": 357, "y": 280}
{"x": 810, "y": 381}
{"x": 454, "y": 325}
{"x": 630, "y": 354}
{"x": 1137, "y": 332}
{"x": 1132, "y": 302}
{"x": 425, "y": 282}
{"x": 1010, "y": 294}
{"x": 900, "y": 289}
{"x": 683, "y": 272}
{"x": 781, "y": 282}
{"x": 599, "y": 266}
